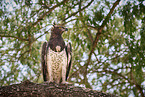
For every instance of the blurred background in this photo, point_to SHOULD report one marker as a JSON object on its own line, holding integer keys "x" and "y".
{"x": 107, "y": 36}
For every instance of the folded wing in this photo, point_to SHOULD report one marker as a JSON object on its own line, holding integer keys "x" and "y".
{"x": 69, "y": 58}
{"x": 43, "y": 61}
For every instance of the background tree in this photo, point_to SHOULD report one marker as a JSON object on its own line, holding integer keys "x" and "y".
{"x": 108, "y": 39}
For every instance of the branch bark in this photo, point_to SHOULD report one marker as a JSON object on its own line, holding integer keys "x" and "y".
{"x": 29, "y": 89}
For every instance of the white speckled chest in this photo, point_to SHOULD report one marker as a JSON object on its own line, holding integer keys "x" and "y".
{"x": 56, "y": 63}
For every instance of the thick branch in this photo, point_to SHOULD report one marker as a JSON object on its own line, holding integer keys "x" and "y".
{"x": 29, "y": 89}
{"x": 97, "y": 36}
{"x": 100, "y": 30}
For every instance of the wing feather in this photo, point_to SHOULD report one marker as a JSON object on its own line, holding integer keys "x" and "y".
{"x": 69, "y": 58}
{"x": 43, "y": 61}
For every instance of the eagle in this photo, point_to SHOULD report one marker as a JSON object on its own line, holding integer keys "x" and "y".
{"x": 56, "y": 57}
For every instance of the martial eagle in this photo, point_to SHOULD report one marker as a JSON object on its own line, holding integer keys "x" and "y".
{"x": 56, "y": 57}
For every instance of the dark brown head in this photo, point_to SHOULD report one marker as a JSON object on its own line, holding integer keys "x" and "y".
{"x": 57, "y": 29}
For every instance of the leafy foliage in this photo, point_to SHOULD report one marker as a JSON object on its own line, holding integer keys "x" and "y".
{"x": 108, "y": 39}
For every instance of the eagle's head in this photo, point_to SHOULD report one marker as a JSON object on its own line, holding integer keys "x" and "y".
{"x": 58, "y": 29}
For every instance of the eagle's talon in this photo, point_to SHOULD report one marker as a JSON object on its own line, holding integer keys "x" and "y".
{"x": 63, "y": 84}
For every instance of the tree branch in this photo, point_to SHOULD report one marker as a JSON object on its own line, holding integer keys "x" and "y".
{"x": 100, "y": 30}
{"x": 9, "y": 36}
{"x": 92, "y": 27}
{"x": 97, "y": 36}
{"x": 73, "y": 14}
{"x": 24, "y": 54}
{"x": 136, "y": 84}
{"x": 109, "y": 14}
{"x": 129, "y": 81}
{"x": 90, "y": 35}
{"x": 68, "y": 21}
{"x": 50, "y": 10}
{"x": 41, "y": 35}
